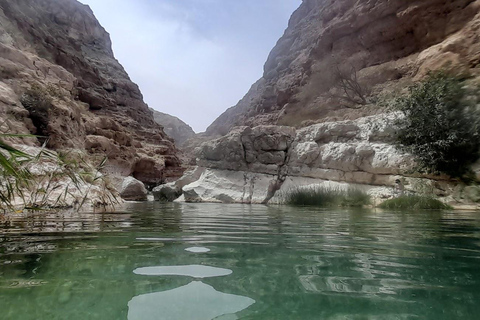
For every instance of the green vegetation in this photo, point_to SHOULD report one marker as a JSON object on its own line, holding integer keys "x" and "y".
{"x": 14, "y": 177}
{"x": 417, "y": 202}
{"x": 38, "y": 102}
{"x": 59, "y": 181}
{"x": 326, "y": 197}
{"x": 441, "y": 126}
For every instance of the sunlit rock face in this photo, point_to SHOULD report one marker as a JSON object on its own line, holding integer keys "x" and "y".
{"x": 60, "y": 49}
{"x": 388, "y": 43}
{"x": 333, "y": 155}
{"x": 257, "y": 165}
{"x": 297, "y": 127}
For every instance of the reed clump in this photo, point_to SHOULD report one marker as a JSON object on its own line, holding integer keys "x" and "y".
{"x": 409, "y": 202}
{"x": 326, "y": 197}
{"x": 49, "y": 180}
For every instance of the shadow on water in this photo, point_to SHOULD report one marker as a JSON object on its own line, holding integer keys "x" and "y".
{"x": 254, "y": 262}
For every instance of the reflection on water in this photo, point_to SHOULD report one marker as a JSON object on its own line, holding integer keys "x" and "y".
{"x": 197, "y": 249}
{"x": 194, "y": 271}
{"x": 296, "y": 263}
{"x": 195, "y": 301}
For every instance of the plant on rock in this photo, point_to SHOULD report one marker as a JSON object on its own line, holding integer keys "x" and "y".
{"x": 14, "y": 178}
{"x": 440, "y": 126}
{"x": 49, "y": 180}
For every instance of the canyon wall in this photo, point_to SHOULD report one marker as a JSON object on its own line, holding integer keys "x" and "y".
{"x": 298, "y": 126}
{"x": 386, "y": 44}
{"x": 60, "y": 80}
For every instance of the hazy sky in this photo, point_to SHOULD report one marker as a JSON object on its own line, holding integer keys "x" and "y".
{"x": 193, "y": 58}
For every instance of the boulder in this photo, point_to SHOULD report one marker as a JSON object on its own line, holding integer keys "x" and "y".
{"x": 166, "y": 192}
{"x": 133, "y": 190}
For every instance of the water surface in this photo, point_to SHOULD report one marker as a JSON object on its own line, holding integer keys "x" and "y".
{"x": 213, "y": 261}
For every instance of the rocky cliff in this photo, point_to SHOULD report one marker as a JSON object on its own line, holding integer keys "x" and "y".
{"x": 316, "y": 115}
{"x": 175, "y": 128}
{"x": 382, "y": 45}
{"x": 59, "y": 79}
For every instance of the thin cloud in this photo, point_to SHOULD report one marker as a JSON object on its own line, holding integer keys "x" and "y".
{"x": 193, "y": 58}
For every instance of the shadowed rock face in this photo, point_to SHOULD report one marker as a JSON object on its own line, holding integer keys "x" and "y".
{"x": 388, "y": 43}
{"x": 58, "y": 48}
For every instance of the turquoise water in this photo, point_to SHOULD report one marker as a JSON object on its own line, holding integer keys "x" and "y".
{"x": 213, "y": 261}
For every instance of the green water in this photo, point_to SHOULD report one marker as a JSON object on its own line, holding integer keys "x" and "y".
{"x": 248, "y": 262}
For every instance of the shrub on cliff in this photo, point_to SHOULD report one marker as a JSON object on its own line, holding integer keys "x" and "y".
{"x": 38, "y": 102}
{"x": 440, "y": 126}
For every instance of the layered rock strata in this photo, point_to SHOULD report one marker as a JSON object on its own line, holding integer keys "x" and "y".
{"x": 300, "y": 124}
{"x": 384, "y": 45}
{"x": 260, "y": 164}
{"x": 59, "y": 79}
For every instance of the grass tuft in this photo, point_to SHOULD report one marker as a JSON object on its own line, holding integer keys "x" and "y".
{"x": 326, "y": 197}
{"x": 414, "y": 202}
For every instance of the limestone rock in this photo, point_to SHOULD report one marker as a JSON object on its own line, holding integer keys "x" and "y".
{"x": 228, "y": 186}
{"x": 133, "y": 190}
{"x": 260, "y": 149}
{"x": 55, "y": 185}
{"x": 296, "y": 127}
{"x": 388, "y": 43}
{"x": 57, "y": 53}
{"x": 166, "y": 192}
{"x": 172, "y": 191}
{"x": 254, "y": 165}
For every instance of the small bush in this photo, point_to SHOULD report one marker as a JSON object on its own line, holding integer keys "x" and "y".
{"x": 439, "y": 127}
{"x": 36, "y": 98}
{"x": 326, "y": 197}
{"x": 354, "y": 198}
{"x": 416, "y": 202}
{"x": 38, "y": 102}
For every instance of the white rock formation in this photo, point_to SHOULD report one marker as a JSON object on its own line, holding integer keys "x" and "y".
{"x": 255, "y": 165}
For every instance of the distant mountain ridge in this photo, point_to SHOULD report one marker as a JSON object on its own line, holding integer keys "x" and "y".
{"x": 175, "y": 128}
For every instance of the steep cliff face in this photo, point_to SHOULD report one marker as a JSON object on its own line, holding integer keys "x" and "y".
{"x": 175, "y": 128}
{"x": 382, "y": 44}
{"x": 316, "y": 117}
{"x": 60, "y": 79}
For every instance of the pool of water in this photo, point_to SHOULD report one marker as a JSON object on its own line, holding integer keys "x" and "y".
{"x": 224, "y": 262}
